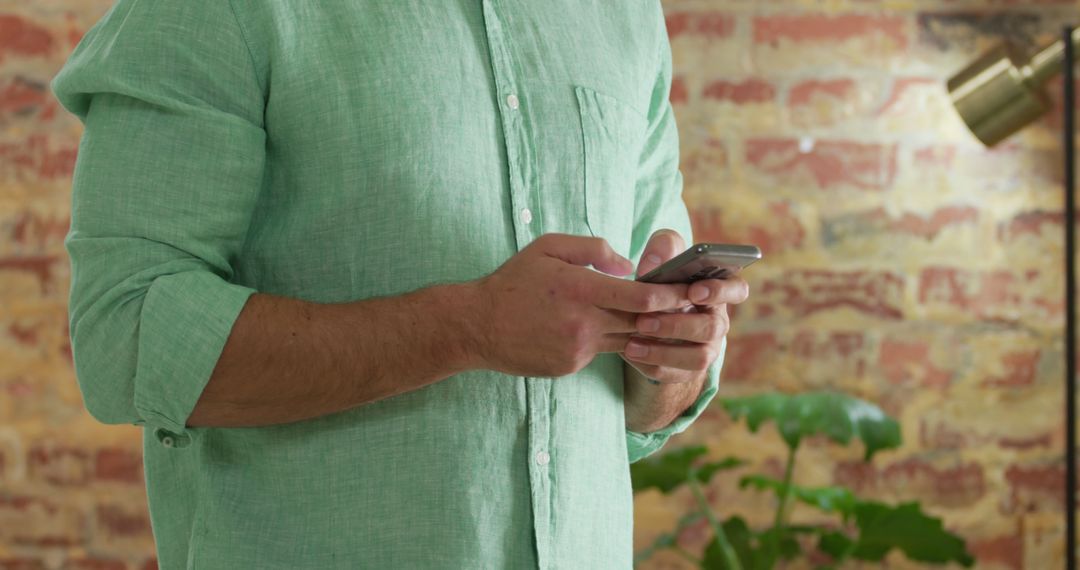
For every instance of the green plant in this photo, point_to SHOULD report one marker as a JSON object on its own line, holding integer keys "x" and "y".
{"x": 863, "y": 530}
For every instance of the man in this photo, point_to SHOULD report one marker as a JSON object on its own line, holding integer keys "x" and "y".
{"x": 333, "y": 258}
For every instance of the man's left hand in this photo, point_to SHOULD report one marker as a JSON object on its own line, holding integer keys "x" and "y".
{"x": 678, "y": 347}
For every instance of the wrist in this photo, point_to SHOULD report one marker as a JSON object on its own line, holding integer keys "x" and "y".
{"x": 459, "y": 310}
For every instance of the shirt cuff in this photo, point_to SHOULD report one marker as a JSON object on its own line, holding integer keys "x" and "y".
{"x": 640, "y": 445}
{"x": 186, "y": 319}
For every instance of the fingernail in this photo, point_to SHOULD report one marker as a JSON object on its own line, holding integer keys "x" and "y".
{"x": 636, "y": 350}
{"x": 653, "y": 258}
{"x": 650, "y": 324}
{"x": 699, "y": 293}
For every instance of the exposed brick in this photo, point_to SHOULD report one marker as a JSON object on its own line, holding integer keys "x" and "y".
{"x": 708, "y": 24}
{"x": 679, "y": 93}
{"x": 1035, "y": 487}
{"x": 36, "y": 230}
{"x": 30, "y": 521}
{"x": 1032, "y": 223}
{"x": 825, "y": 164}
{"x": 120, "y": 465}
{"x": 60, "y": 465}
{"x": 806, "y": 92}
{"x": 95, "y": 564}
{"x": 751, "y": 90}
{"x": 22, "y": 563}
{"x": 1020, "y": 368}
{"x": 801, "y": 28}
{"x": 40, "y": 266}
{"x": 20, "y": 96}
{"x": 962, "y": 31}
{"x": 784, "y": 231}
{"x": 910, "y": 362}
{"x": 902, "y": 88}
{"x": 122, "y": 522}
{"x": 1007, "y": 550}
{"x": 940, "y": 435}
{"x": 878, "y": 223}
{"x": 957, "y": 486}
{"x": 746, "y": 353}
{"x": 151, "y": 564}
{"x": 20, "y": 37}
{"x": 805, "y": 292}
{"x": 36, "y": 159}
{"x": 1005, "y": 294}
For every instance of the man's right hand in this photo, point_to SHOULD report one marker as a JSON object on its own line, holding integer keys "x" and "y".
{"x": 545, "y": 313}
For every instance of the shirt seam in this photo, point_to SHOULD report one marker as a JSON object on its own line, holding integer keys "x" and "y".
{"x": 247, "y": 45}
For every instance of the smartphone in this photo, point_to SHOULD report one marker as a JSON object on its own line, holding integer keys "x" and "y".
{"x": 704, "y": 261}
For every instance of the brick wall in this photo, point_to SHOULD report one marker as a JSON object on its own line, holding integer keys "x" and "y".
{"x": 905, "y": 264}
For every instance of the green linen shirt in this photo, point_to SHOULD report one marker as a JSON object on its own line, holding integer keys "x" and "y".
{"x": 337, "y": 151}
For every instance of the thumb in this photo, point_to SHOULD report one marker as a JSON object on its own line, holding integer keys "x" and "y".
{"x": 662, "y": 246}
{"x": 580, "y": 250}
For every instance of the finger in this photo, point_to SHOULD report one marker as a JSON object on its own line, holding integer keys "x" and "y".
{"x": 694, "y": 327}
{"x": 634, "y": 296}
{"x": 681, "y": 356}
{"x": 581, "y": 250}
{"x": 662, "y": 246}
{"x": 614, "y": 322}
{"x": 730, "y": 291}
{"x": 613, "y": 342}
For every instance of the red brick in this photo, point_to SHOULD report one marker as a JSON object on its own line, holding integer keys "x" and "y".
{"x": 959, "y": 486}
{"x": 827, "y": 164}
{"x": 19, "y": 37}
{"x": 1044, "y": 441}
{"x": 1033, "y": 223}
{"x": 1035, "y": 487}
{"x": 939, "y": 435}
{"x": 95, "y": 564}
{"x": 740, "y": 92}
{"x": 35, "y": 159}
{"x": 120, "y": 465}
{"x": 37, "y": 522}
{"x": 806, "y": 92}
{"x": 19, "y": 95}
{"x": 819, "y": 28}
{"x": 805, "y": 292}
{"x": 1020, "y": 368}
{"x": 1007, "y": 550}
{"x": 21, "y": 563}
{"x": 679, "y": 93}
{"x": 780, "y": 232}
{"x": 998, "y": 295}
{"x": 37, "y": 231}
{"x": 123, "y": 522}
{"x": 150, "y": 564}
{"x": 41, "y": 266}
{"x": 59, "y": 465}
{"x": 746, "y": 353}
{"x": 909, "y": 362}
{"x": 900, "y": 87}
{"x": 877, "y": 222}
{"x": 708, "y": 24}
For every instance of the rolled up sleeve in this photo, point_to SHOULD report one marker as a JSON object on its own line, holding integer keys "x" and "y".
{"x": 169, "y": 166}
{"x": 659, "y": 204}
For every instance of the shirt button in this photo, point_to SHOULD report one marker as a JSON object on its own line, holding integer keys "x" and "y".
{"x": 542, "y": 457}
{"x": 526, "y": 215}
{"x": 512, "y": 101}
{"x": 167, "y": 441}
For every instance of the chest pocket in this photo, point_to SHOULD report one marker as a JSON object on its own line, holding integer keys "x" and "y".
{"x": 613, "y": 134}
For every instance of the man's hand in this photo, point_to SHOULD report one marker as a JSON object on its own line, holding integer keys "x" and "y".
{"x": 543, "y": 313}
{"x": 678, "y": 347}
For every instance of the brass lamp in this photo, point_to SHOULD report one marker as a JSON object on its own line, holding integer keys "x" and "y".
{"x": 1001, "y": 93}
{"x": 997, "y": 95}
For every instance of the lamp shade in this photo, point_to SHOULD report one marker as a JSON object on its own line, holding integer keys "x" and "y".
{"x": 994, "y": 97}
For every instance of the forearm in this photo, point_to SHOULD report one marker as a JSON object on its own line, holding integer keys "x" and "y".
{"x": 649, "y": 407}
{"x": 288, "y": 360}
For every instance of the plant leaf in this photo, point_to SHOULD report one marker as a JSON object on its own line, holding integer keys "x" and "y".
{"x": 838, "y": 416}
{"x": 920, "y": 537}
{"x": 835, "y": 544}
{"x": 668, "y": 471}
{"x": 829, "y": 499}
{"x": 665, "y": 472}
{"x": 740, "y": 537}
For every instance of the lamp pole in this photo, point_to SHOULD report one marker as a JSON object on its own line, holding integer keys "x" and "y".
{"x": 1070, "y": 300}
